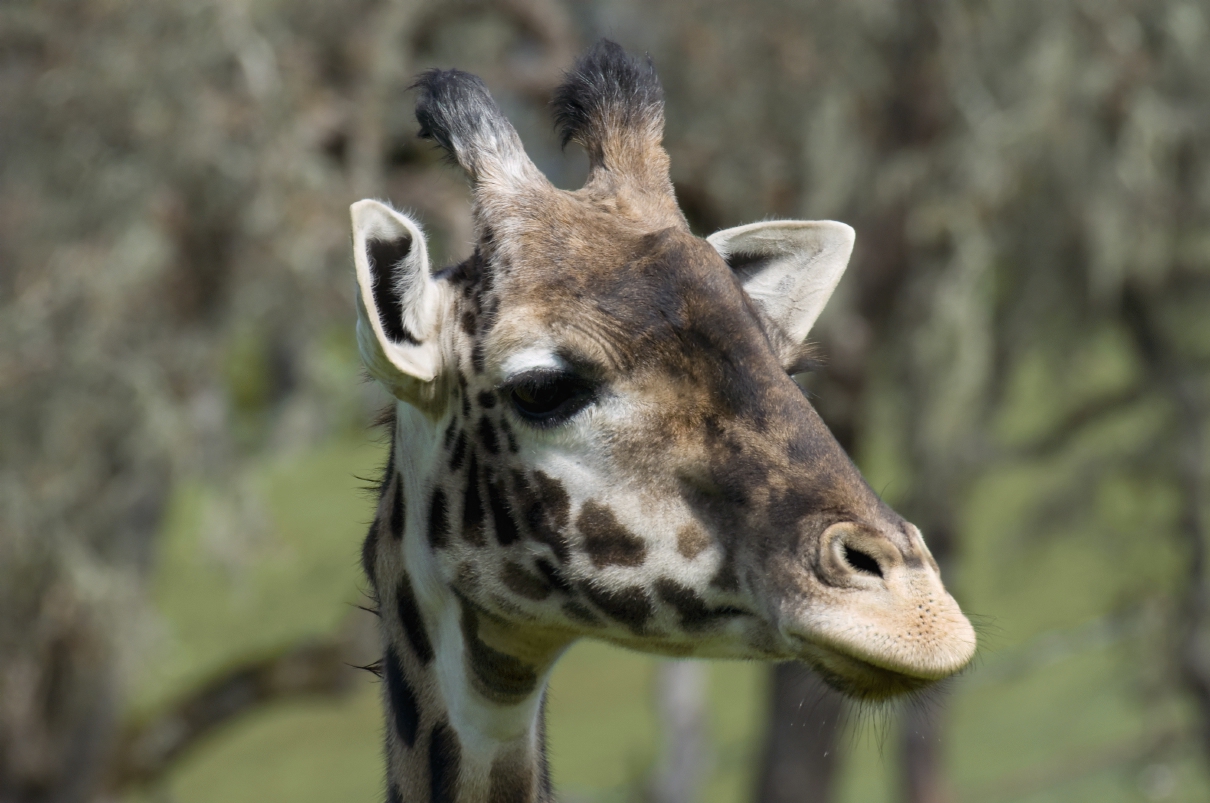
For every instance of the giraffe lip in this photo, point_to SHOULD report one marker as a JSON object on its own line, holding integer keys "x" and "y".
{"x": 856, "y": 677}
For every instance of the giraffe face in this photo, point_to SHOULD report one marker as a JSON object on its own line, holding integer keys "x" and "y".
{"x": 622, "y": 450}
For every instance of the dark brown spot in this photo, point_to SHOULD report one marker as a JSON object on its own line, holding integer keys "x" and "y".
{"x": 694, "y": 613}
{"x": 405, "y": 712}
{"x": 477, "y": 356}
{"x": 511, "y": 779}
{"x": 439, "y": 520}
{"x": 508, "y": 605}
{"x": 630, "y": 606}
{"x": 469, "y": 320}
{"x": 369, "y": 549}
{"x": 579, "y": 613}
{"x": 508, "y": 434}
{"x": 691, "y": 540}
{"x": 487, "y": 436}
{"x": 412, "y": 622}
{"x": 553, "y": 576}
{"x": 523, "y": 582}
{"x": 487, "y": 399}
{"x": 459, "y": 455}
{"x": 607, "y": 542}
{"x": 496, "y": 675}
{"x": 398, "y": 510}
{"x": 554, "y": 499}
{"x": 545, "y": 508}
{"x": 445, "y": 762}
{"x": 506, "y": 528}
{"x": 472, "y": 507}
{"x": 725, "y": 578}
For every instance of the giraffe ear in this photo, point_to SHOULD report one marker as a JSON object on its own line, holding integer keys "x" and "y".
{"x": 398, "y": 303}
{"x": 788, "y": 267}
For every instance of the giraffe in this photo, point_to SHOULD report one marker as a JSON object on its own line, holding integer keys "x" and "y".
{"x": 598, "y": 431}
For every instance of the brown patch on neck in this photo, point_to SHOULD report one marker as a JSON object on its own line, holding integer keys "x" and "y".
{"x": 691, "y": 540}
{"x": 504, "y": 669}
{"x": 423, "y": 752}
{"x": 445, "y": 763}
{"x": 513, "y": 778}
{"x": 427, "y": 761}
{"x": 525, "y": 583}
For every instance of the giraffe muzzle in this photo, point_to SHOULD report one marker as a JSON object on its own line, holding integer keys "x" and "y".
{"x": 882, "y": 622}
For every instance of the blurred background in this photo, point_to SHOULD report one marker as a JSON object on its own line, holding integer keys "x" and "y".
{"x": 1018, "y": 359}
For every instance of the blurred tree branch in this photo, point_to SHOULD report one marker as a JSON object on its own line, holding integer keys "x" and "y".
{"x": 1075, "y": 423}
{"x": 147, "y": 749}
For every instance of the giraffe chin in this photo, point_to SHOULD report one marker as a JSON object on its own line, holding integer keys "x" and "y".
{"x": 862, "y": 680}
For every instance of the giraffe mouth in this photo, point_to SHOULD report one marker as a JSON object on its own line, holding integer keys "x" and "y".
{"x": 859, "y": 678}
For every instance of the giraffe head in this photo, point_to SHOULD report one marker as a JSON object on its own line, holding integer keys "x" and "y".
{"x": 609, "y": 439}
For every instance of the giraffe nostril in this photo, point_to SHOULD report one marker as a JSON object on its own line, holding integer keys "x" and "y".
{"x": 862, "y": 562}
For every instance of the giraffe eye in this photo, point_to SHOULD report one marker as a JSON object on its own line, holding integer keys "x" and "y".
{"x": 548, "y": 398}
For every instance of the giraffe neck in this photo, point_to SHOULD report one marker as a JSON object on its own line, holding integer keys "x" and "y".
{"x": 464, "y": 714}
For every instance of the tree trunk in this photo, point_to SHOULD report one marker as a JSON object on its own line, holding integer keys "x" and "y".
{"x": 805, "y": 721}
{"x": 921, "y": 757}
{"x": 681, "y": 707}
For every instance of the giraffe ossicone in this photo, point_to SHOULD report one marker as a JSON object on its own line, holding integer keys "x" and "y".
{"x": 598, "y": 434}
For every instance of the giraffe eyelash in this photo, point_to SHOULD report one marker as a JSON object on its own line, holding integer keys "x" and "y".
{"x": 805, "y": 360}
{"x": 548, "y": 398}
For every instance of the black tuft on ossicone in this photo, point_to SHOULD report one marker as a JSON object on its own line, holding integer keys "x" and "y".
{"x": 607, "y": 88}
{"x": 456, "y": 111}
{"x": 451, "y": 105}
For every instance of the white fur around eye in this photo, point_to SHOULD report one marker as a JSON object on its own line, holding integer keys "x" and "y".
{"x": 532, "y": 360}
